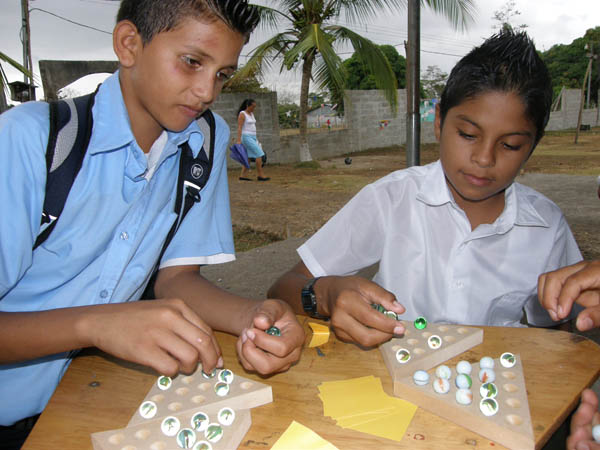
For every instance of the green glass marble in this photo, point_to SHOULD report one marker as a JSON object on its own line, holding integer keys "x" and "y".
{"x": 213, "y": 433}
{"x": 420, "y": 323}
{"x": 274, "y": 331}
{"x": 208, "y": 376}
{"x": 186, "y": 438}
{"x": 391, "y": 314}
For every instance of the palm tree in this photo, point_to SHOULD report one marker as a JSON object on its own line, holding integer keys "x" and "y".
{"x": 4, "y": 80}
{"x": 311, "y": 34}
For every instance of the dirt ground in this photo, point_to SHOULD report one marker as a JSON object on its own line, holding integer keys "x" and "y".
{"x": 300, "y": 198}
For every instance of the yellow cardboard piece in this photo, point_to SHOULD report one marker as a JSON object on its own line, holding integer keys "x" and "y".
{"x": 298, "y": 436}
{"x": 367, "y": 395}
{"x": 368, "y": 408}
{"x": 391, "y": 427}
{"x": 320, "y": 334}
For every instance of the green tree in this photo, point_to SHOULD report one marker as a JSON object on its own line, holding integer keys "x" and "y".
{"x": 433, "y": 81}
{"x": 250, "y": 82}
{"x": 360, "y": 77}
{"x": 311, "y": 32}
{"x": 4, "y": 80}
{"x": 289, "y": 115}
{"x": 567, "y": 63}
{"x": 505, "y": 15}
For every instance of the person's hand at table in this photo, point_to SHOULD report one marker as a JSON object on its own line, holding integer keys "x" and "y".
{"x": 347, "y": 301}
{"x": 263, "y": 353}
{"x": 579, "y": 283}
{"x": 163, "y": 334}
{"x": 583, "y": 420}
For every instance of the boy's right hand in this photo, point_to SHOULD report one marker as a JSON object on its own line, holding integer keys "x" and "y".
{"x": 353, "y": 319}
{"x": 578, "y": 283}
{"x": 163, "y": 334}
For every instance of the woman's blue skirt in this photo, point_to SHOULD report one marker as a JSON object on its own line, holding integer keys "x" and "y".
{"x": 253, "y": 148}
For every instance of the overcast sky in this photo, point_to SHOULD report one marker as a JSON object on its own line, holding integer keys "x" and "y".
{"x": 549, "y": 22}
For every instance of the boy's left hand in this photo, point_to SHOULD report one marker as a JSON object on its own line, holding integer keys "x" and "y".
{"x": 263, "y": 353}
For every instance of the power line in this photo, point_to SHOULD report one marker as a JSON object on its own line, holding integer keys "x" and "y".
{"x": 70, "y": 21}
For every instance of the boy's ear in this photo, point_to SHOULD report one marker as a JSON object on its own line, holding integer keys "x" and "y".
{"x": 437, "y": 124}
{"x": 127, "y": 42}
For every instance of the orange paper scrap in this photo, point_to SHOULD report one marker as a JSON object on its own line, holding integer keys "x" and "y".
{"x": 367, "y": 409}
{"x": 299, "y": 436}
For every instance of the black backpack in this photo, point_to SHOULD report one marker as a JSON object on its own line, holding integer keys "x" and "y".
{"x": 70, "y": 132}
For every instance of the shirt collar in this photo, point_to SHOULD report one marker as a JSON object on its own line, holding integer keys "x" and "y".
{"x": 518, "y": 209}
{"x": 112, "y": 129}
{"x": 434, "y": 190}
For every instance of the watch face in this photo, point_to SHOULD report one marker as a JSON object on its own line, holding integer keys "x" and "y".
{"x": 308, "y": 301}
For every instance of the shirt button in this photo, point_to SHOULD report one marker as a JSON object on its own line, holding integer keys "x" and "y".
{"x": 458, "y": 284}
{"x": 104, "y": 293}
{"x": 124, "y": 236}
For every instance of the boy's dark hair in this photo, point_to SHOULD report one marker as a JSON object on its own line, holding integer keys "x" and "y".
{"x": 155, "y": 16}
{"x": 506, "y": 62}
{"x": 245, "y": 104}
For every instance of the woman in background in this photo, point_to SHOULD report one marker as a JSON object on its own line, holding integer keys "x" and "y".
{"x": 246, "y": 135}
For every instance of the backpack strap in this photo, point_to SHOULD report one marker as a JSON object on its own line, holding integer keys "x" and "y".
{"x": 193, "y": 176}
{"x": 70, "y": 131}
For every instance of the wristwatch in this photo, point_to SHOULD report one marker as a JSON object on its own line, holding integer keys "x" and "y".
{"x": 309, "y": 300}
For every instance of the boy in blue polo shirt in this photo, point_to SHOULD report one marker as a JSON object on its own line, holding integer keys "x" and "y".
{"x": 78, "y": 288}
{"x": 457, "y": 241}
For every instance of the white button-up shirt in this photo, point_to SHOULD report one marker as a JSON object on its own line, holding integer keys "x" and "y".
{"x": 433, "y": 262}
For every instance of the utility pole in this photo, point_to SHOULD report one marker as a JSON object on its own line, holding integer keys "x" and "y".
{"x": 25, "y": 37}
{"x": 589, "y": 89}
{"x": 585, "y": 78}
{"x": 413, "y": 113}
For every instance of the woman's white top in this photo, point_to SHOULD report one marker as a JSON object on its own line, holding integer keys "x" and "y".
{"x": 249, "y": 126}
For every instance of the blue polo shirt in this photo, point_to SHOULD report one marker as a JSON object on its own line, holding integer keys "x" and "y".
{"x": 111, "y": 231}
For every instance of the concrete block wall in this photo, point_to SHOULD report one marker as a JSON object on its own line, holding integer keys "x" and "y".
{"x": 326, "y": 144}
{"x": 266, "y": 114}
{"x": 369, "y": 124}
{"x": 567, "y": 116}
{"x": 371, "y": 121}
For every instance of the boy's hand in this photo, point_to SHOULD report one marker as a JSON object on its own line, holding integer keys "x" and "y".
{"x": 582, "y": 422}
{"x": 263, "y": 353}
{"x": 163, "y": 334}
{"x": 353, "y": 319}
{"x": 579, "y": 283}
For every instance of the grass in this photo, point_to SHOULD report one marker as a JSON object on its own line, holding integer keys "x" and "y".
{"x": 246, "y": 238}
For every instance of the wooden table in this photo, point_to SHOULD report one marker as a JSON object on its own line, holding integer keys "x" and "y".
{"x": 101, "y": 393}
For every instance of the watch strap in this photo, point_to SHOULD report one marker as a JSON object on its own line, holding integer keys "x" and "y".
{"x": 309, "y": 300}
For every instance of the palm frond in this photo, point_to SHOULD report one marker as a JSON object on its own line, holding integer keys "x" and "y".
{"x": 270, "y": 18}
{"x": 329, "y": 71}
{"x": 373, "y": 59}
{"x": 461, "y": 13}
{"x": 356, "y": 11}
{"x": 263, "y": 56}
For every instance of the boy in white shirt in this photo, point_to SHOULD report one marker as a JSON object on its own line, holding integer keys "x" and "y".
{"x": 457, "y": 240}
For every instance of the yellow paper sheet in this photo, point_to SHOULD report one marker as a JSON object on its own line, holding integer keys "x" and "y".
{"x": 391, "y": 427}
{"x": 353, "y": 398}
{"x": 320, "y": 334}
{"x": 361, "y": 404}
{"x": 297, "y": 436}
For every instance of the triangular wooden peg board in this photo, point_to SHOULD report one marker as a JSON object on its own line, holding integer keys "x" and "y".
{"x": 454, "y": 340}
{"x": 194, "y": 391}
{"x": 510, "y": 426}
{"x": 148, "y": 435}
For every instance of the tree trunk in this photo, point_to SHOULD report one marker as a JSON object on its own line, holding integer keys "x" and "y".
{"x": 3, "y": 102}
{"x": 304, "y": 88}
